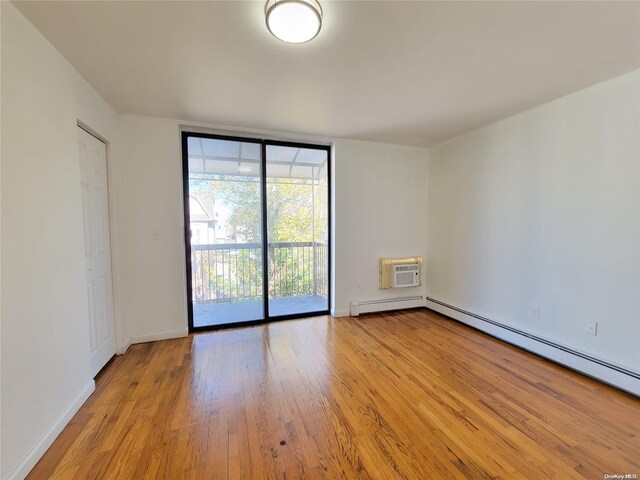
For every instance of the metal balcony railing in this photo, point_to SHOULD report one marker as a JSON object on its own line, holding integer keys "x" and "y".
{"x": 233, "y": 271}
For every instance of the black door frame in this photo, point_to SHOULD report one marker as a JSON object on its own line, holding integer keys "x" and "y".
{"x": 263, "y": 201}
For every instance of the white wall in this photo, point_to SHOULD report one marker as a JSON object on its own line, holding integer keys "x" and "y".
{"x": 380, "y": 199}
{"x": 379, "y": 189}
{"x": 153, "y": 270}
{"x": 45, "y": 334}
{"x": 543, "y": 210}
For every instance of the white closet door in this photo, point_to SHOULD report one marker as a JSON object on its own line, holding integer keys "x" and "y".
{"x": 95, "y": 205}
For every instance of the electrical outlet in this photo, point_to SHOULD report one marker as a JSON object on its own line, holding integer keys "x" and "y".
{"x": 535, "y": 313}
{"x": 592, "y": 328}
{"x": 359, "y": 286}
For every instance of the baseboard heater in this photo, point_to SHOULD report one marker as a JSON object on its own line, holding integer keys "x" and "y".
{"x": 397, "y": 303}
{"x": 597, "y": 368}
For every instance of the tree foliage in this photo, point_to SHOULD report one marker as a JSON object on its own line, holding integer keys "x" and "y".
{"x": 290, "y": 206}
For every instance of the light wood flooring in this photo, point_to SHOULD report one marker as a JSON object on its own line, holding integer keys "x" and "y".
{"x": 409, "y": 395}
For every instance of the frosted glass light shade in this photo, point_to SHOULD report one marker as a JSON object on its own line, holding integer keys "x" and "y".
{"x": 293, "y": 21}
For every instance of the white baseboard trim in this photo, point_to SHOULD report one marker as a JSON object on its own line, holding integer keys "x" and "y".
{"x": 159, "y": 336}
{"x": 599, "y": 369}
{"x": 124, "y": 347}
{"x": 39, "y": 449}
{"x": 339, "y": 313}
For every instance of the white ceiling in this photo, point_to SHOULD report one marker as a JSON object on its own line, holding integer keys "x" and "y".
{"x": 412, "y": 73}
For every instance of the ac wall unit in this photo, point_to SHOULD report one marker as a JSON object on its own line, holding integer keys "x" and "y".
{"x": 394, "y": 272}
{"x": 406, "y": 275}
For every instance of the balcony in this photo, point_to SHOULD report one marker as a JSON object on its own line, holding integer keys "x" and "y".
{"x": 227, "y": 281}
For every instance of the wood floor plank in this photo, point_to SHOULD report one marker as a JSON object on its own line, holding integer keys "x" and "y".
{"x": 407, "y": 395}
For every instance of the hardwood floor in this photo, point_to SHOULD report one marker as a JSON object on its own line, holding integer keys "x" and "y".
{"x": 402, "y": 395}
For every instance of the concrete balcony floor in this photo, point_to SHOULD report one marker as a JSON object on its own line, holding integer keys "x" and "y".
{"x": 210, "y": 314}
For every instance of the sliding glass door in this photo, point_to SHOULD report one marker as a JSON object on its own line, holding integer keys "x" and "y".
{"x": 224, "y": 200}
{"x": 257, "y": 229}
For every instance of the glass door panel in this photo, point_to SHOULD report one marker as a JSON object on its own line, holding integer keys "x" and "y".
{"x": 297, "y": 229}
{"x": 225, "y": 223}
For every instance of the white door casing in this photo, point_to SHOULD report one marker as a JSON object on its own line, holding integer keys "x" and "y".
{"x": 95, "y": 213}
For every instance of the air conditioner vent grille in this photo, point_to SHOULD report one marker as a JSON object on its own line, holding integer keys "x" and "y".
{"x": 406, "y": 268}
{"x": 406, "y": 275}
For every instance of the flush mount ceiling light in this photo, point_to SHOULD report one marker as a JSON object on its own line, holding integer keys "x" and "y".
{"x": 293, "y": 21}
